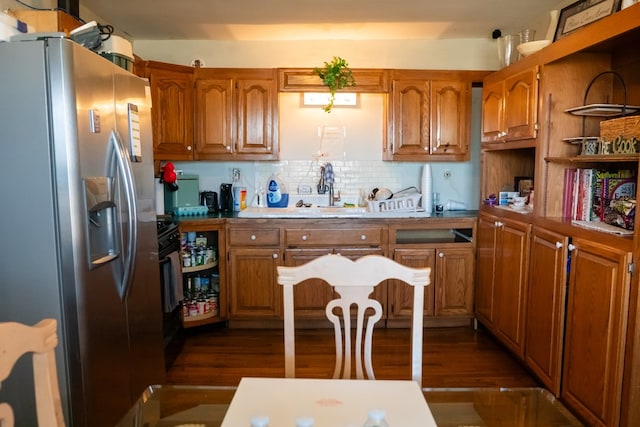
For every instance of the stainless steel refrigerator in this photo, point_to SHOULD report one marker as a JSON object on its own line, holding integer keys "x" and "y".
{"x": 78, "y": 225}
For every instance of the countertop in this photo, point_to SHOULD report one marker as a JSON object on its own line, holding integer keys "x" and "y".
{"x": 278, "y": 213}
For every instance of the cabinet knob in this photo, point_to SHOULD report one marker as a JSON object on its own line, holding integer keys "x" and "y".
{"x": 228, "y": 148}
{"x": 275, "y": 256}
{"x": 363, "y": 237}
{"x": 425, "y": 148}
{"x": 571, "y": 247}
{"x": 559, "y": 245}
{"x": 441, "y": 255}
{"x": 253, "y": 237}
{"x": 304, "y": 237}
{"x": 188, "y": 148}
{"x": 499, "y": 224}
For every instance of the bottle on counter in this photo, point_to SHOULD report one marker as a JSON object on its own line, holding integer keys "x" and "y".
{"x": 376, "y": 418}
{"x": 305, "y": 422}
{"x": 261, "y": 421}
{"x": 277, "y": 196}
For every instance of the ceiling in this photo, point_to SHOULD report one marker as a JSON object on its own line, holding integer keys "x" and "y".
{"x": 317, "y": 19}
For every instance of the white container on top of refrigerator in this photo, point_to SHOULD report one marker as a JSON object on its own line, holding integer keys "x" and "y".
{"x": 79, "y": 228}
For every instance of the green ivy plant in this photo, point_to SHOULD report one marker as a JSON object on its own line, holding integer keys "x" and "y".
{"x": 335, "y": 75}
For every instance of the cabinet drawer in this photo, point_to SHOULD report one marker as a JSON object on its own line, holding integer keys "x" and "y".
{"x": 333, "y": 237}
{"x": 254, "y": 237}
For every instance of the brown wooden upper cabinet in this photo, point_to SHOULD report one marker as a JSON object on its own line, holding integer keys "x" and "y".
{"x": 172, "y": 112}
{"x": 305, "y": 80}
{"x": 236, "y": 114}
{"x": 510, "y": 106}
{"x": 211, "y": 113}
{"x": 430, "y": 116}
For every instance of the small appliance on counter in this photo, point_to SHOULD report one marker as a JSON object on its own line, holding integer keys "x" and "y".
{"x": 226, "y": 197}
{"x": 210, "y": 200}
{"x": 185, "y": 200}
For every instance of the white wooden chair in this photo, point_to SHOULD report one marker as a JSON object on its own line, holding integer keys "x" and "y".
{"x": 41, "y": 339}
{"x": 354, "y": 281}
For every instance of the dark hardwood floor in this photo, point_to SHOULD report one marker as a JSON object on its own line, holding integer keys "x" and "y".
{"x": 453, "y": 357}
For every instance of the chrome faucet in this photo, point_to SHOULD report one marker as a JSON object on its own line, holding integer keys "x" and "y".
{"x": 322, "y": 187}
{"x": 329, "y": 178}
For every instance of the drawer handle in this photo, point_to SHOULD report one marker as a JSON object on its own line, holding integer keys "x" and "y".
{"x": 304, "y": 237}
{"x": 363, "y": 237}
{"x": 253, "y": 237}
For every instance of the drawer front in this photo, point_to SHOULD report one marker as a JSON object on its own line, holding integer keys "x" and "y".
{"x": 333, "y": 237}
{"x": 254, "y": 237}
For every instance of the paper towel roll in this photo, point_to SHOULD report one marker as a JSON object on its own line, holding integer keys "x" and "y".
{"x": 159, "y": 193}
{"x": 427, "y": 188}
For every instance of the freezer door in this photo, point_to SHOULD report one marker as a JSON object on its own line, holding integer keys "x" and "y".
{"x": 144, "y": 305}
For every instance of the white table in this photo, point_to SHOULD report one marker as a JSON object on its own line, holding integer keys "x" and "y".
{"x": 331, "y": 403}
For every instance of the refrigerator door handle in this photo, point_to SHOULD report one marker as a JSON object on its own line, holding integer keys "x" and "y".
{"x": 126, "y": 174}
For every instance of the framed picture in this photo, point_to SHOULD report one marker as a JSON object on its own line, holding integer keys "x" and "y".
{"x": 582, "y": 13}
{"x": 523, "y": 185}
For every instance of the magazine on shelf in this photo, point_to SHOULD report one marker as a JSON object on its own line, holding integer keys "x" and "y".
{"x": 600, "y": 195}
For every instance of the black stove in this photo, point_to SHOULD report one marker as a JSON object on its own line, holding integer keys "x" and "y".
{"x": 168, "y": 238}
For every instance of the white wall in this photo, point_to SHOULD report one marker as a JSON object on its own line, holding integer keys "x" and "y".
{"x": 468, "y": 54}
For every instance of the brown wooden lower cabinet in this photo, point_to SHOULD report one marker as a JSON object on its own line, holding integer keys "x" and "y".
{"x": 253, "y": 257}
{"x": 312, "y": 296}
{"x": 595, "y": 337}
{"x": 503, "y": 256}
{"x": 253, "y": 289}
{"x": 546, "y": 300}
{"x": 450, "y": 292}
{"x": 256, "y": 249}
{"x": 576, "y": 309}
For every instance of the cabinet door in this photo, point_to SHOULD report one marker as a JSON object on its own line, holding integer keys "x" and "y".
{"x": 450, "y": 119}
{"x": 311, "y": 296}
{"x": 546, "y": 298}
{"x": 493, "y": 112}
{"x": 214, "y": 112}
{"x": 410, "y": 115}
{"x": 255, "y": 118}
{"x": 485, "y": 273}
{"x": 253, "y": 288}
{"x": 380, "y": 291}
{"x": 597, "y": 311}
{"x": 521, "y": 105}
{"x": 454, "y": 282}
{"x": 511, "y": 284}
{"x": 172, "y": 112}
{"x": 401, "y": 294}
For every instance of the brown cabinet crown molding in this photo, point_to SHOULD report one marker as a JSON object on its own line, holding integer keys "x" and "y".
{"x": 369, "y": 80}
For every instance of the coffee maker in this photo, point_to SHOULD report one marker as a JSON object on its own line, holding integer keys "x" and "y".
{"x": 226, "y": 197}
{"x": 210, "y": 200}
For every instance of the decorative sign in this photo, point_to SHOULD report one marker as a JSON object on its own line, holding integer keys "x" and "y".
{"x": 134, "y": 134}
{"x": 582, "y": 13}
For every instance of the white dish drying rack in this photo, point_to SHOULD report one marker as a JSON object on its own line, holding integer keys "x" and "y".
{"x": 407, "y": 200}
